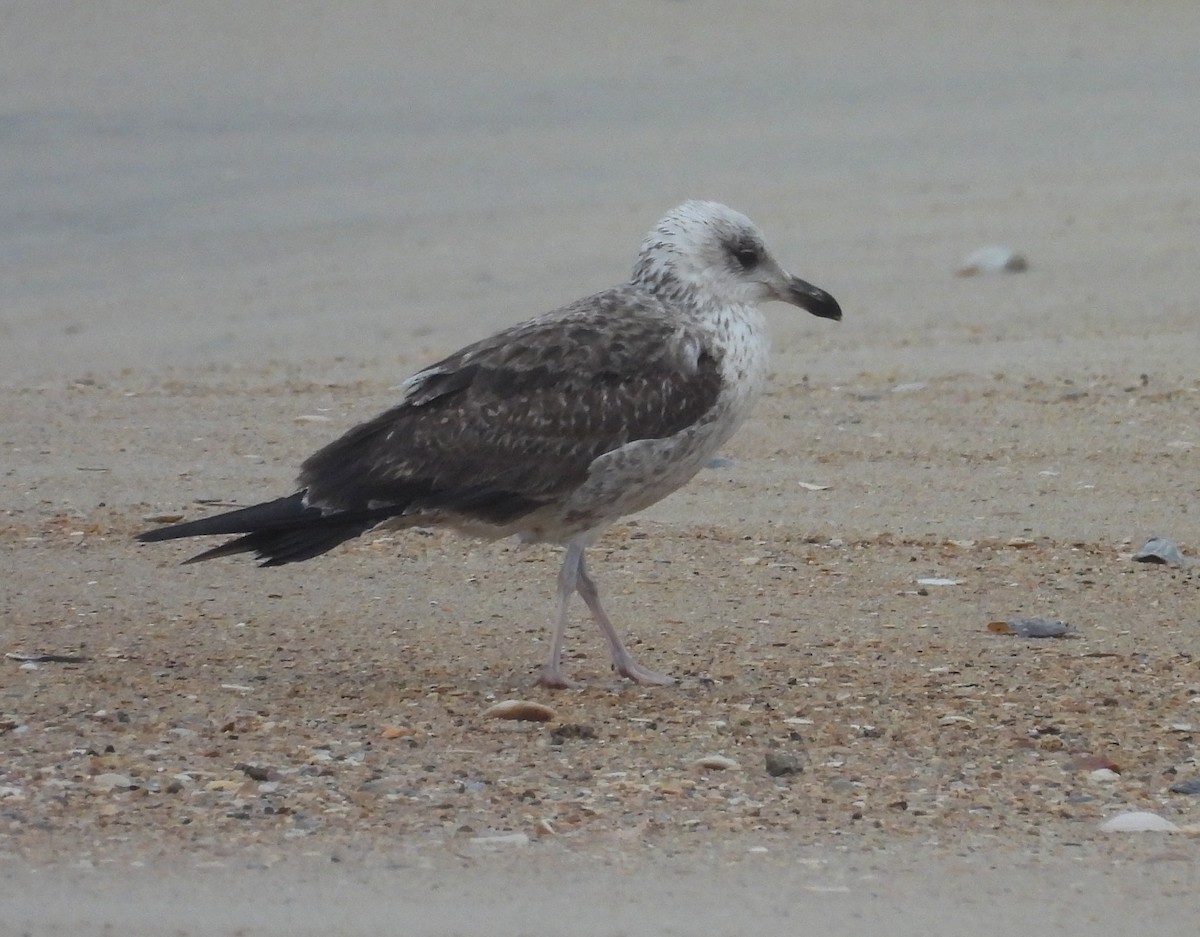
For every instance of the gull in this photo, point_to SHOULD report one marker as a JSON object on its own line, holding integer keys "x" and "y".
{"x": 554, "y": 428}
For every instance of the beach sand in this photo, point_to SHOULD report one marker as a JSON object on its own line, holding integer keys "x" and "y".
{"x": 228, "y": 235}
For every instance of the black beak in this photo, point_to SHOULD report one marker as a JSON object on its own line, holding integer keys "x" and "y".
{"x": 815, "y": 300}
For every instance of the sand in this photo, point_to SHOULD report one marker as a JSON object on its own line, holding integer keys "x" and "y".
{"x": 228, "y": 235}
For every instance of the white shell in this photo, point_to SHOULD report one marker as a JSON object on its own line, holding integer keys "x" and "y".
{"x": 1137, "y": 821}
{"x": 500, "y": 841}
{"x": 993, "y": 260}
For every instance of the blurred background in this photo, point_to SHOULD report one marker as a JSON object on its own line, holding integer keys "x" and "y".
{"x": 209, "y": 183}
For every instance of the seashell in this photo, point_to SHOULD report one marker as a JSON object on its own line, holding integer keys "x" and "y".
{"x": 112, "y": 781}
{"x": 1160, "y": 550}
{"x": 223, "y": 784}
{"x": 1031, "y": 627}
{"x": 500, "y": 840}
{"x": 1095, "y": 763}
{"x": 715, "y": 763}
{"x": 996, "y": 259}
{"x": 1137, "y": 821}
{"x": 523, "y": 710}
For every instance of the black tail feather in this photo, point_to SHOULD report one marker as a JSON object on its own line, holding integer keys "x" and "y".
{"x": 287, "y": 530}
{"x": 276, "y": 547}
{"x": 280, "y": 513}
{"x": 281, "y": 531}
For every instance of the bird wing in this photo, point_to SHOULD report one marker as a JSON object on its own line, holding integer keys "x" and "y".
{"x": 514, "y": 421}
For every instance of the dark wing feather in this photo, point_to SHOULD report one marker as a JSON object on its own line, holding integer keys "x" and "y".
{"x": 493, "y": 432}
{"x": 513, "y": 422}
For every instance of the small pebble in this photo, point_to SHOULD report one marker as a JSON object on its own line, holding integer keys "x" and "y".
{"x": 1137, "y": 821}
{"x": 782, "y": 763}
{"x": 1190, "y": 786}
{"x": 523, "y": 710}
{"x": 995, "y": 259}
{"x": 571, "y": 730}
{"x": 255, "y": 772}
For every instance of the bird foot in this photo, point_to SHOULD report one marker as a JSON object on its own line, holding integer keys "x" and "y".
{"x": 628, "y": 667}
{"x": 554, "y": 679}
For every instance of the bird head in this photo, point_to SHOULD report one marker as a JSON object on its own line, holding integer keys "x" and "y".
{"x": 707, "y": 249}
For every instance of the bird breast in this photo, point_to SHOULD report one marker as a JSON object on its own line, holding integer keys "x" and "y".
{"x": 638, "y": 474}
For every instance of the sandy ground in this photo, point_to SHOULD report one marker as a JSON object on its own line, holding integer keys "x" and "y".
{"x": 224, "y": 239}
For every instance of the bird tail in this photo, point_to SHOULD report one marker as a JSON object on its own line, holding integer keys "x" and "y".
{"x": 285, "y": 530}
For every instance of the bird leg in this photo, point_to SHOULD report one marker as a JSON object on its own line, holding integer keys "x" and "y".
{"x": 573, "y": 577}
{"x": 568, "y": 577}
{"x": 623, "y": 662}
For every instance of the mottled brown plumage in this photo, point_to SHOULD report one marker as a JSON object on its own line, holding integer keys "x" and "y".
{"x": 553, "y": 428}
{"x": 514, "y": 422}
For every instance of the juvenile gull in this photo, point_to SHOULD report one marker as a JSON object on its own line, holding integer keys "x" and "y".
{"x": 554, "y": 428}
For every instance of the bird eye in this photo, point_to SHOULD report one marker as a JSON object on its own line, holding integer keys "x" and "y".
{"x": 747, "y": 257}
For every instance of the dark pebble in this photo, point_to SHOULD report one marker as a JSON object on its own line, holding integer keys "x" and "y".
{"x": 254, "y": 772}
{"x": 571, "y": 730}
{"x": 781, "y": 763}
{"x": 1190, "y": 786}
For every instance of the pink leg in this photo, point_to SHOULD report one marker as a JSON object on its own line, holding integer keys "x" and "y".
{"x": 623, "y": 662}
{"x": 552, "y": 674}
{"x": 572, "y": 578}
